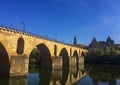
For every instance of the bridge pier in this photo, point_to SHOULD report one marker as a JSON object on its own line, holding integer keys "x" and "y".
{"x": 73, "y": 61}
{"x": 81, "y": 60}
{"x": 19, "y": 65}
{"x": 81, "y": 63}
{"x": 57, "y": 62}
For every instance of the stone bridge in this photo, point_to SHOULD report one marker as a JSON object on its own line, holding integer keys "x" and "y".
{"x": 16, "y": 47}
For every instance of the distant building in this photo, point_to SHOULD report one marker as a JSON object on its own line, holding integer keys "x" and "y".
{"x": 78, "y": 45}
{"x": 75, "y": 41}
{"x": 99, "y": 44}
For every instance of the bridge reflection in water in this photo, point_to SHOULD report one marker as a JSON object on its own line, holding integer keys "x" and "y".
{"x": 19, "y": 80}
{"x": 66, "y": 76}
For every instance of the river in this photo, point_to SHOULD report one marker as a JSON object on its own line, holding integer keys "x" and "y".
{"x": 81, "y": 75}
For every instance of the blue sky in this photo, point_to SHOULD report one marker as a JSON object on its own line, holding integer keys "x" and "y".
{"x": 62, "y": 19}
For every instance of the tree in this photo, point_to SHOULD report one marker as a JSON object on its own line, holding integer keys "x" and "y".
{"x": 35, "y": 54}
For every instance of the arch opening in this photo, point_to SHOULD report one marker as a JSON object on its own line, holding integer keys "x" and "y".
{"x": 79, "y": 53}
{"x": 65, "y": 58}
{"x": 4, "y": 61}
{"x": 82, "y": 54}
{"x": 20, "y": 46}
{"x": 34, "y": 59}
{"x": 65, "y": 66}
{"x": 70, "y": 51}
{"x": 55, "y": 50}
{"x": 76, "y": 55}
{"x": 42, "y": 56}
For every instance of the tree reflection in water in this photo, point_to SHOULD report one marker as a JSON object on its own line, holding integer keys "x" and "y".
{"x": 104, "y": 74}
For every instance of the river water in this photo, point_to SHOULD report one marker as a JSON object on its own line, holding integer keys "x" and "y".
{"x": 82, "y": 75}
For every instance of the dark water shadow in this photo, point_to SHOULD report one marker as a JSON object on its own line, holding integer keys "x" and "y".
{"x": 45, "y": 76}
{"x": 45, "y": 60}
{"x": 65, "y": 72}
{"x": 104, "y": 73}
{"x": 4, "y": 61}
{"x": 4, "y": 80}
{"x": 65, "y": 58}
{"x": 76, "y": 72}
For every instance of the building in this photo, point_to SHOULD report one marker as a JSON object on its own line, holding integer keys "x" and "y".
{"x": 100, "y": 44}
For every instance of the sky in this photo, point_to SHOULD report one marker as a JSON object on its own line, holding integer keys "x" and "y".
{"x": 64, "y": 19}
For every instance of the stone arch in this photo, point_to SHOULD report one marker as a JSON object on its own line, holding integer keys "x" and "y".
{"x": 65, "y": 57}
{"x": 45, "y": 56}
{"x": 82, "y": 53}
{"x": 76, "y": 55}
{"x": 4, "y": 61}
{"x": 79, "y": 53}
{"x": 34, "y": 58}
{"x": 65, "y": 65}
{"x": 20, "y": 46}
{"x": 70, "y": 51}
{"x": 55, "y": 50}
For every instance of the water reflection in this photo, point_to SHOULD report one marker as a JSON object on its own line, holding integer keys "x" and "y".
{"x": 66, "y": 76}
{"x": 4, "y": 80}
{"x": 18, "y": 80}
{"x": 74, "y": 75}
{"x": 104, "y": 74}
{"x": 45, "y": 76}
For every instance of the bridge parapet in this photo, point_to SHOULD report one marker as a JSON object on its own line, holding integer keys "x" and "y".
{"x": 19, "y": 43}
{"x": 5, "y": 28}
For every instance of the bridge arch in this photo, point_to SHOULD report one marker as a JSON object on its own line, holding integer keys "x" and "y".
{"x": 44, "y": 56}
{"x": 46, "y": 61}
{"x": 70, "y": 51}
{"x": 20, "y": 46}
{"x": 76, "y": 55}
{"x": 79, "y": 53}
{"x": 65, "y": 57}
{"x": 82, "y": 53}
{"x": 55, "y": 50}
{"x": 4, "y": 61}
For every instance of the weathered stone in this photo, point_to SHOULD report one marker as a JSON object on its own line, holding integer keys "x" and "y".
{"x": 73, "y": 61}
{"x": 19, "y": 66}
{"x": 57, "y": 62}
{"x": 17, "y": 43}
{"x": 81, "y": 60}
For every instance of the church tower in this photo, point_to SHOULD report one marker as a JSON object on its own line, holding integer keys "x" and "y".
{"x": 75, "y": 41}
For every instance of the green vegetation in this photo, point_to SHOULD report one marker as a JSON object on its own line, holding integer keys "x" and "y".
{"x": 35, "y": 58}
{"x": 106, "y": 55}
{"x": 103, "y": 52}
